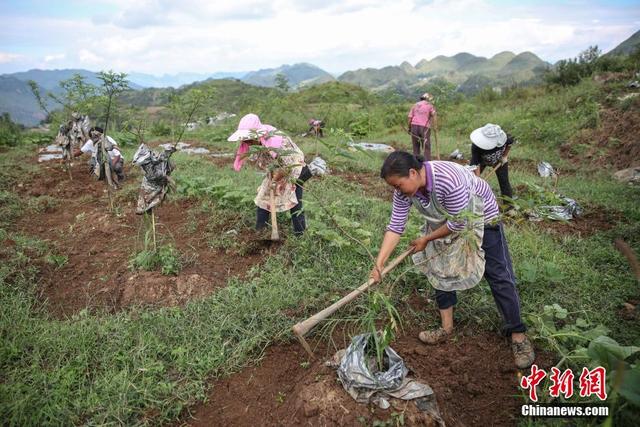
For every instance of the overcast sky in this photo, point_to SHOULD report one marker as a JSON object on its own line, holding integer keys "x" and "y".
{"x": 204, "y": 36}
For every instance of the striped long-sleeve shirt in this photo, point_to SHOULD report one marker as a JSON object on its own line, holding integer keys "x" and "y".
{"x": 452, "y": 185}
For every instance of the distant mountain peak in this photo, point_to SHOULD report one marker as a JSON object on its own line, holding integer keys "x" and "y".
{"x": 502, "y": 68}
{"x": 503, "y": 54}
{"x": 297, "y": 74}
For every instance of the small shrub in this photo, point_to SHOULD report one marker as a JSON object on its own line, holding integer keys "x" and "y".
{"x": 10, "y": 132}
{"x": 160, "y": 128}
{"x": 57, "y": 260}
{"x": 167, "y": 258}
{"x": 361, "y": 126}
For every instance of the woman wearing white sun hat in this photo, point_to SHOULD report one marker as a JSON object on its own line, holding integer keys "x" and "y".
{"x": 491, "y": 146}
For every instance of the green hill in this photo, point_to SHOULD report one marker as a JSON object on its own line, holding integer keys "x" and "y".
{"x": 501, "y": 59}
{"x": 525, "y": 61}
{"x": 296, "y": 75}
{"x": 17, "y": 100}
{"x": 50, "y": 79}
{"x": 375, "y": 78}
{"x": 503, "y": 69}
{"x": 16, "y": 97}
{"x": 334, "y": 92}
{"x": 628, "y": 46}
{"x": 439, "y": 64}
{"x": 494, "y": 64}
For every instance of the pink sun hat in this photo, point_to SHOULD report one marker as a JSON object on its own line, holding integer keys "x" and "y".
{"x": 250, "y": 127}
{"x": 248, "y": 123}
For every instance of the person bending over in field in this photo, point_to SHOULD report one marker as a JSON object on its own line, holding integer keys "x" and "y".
{"x": 491, "y": 146}
{"x": 316, "y": 127}
{"x": 275, "y": 153}
{"x": 115, "y": 156}
{"x": 463, "y": 241}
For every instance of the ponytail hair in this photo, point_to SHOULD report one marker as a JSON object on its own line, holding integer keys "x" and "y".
{"x": 399, "y": 163}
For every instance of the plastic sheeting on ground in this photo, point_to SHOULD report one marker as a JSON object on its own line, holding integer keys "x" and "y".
{"x": 567, "y": 211}
{"x": 370, "y": 146}
{"x": 318, "y": 167}
{"x": 183, "y": 147}
{"x": 358, "y": 373}
{"x": 545, "y": 170}
{"x": 456, "y": 155}
{"x": 156, "y": 180}
{"x": 50, "y": 152}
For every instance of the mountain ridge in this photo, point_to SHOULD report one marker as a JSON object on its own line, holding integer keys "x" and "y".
{"x": 468, "y": 72}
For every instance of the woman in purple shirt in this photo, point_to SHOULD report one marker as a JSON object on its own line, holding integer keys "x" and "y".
{"x": 448, "y": 195}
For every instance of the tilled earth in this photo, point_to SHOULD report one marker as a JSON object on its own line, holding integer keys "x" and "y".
{"x": 74, "y": 217}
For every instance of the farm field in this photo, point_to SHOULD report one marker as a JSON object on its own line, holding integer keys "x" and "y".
{"x": 95, "y": 334}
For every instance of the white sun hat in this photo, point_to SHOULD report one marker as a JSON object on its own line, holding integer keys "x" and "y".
{"x": 489, "y": 137}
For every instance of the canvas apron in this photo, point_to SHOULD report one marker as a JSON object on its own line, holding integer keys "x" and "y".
{"x": 455, "y": 262}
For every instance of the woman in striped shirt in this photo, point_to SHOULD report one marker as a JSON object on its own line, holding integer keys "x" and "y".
{"x": 448, "y": 188}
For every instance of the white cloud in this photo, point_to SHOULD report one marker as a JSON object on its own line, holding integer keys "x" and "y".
{"x": 163, "y": 36}
{"x": 54, "y": 57}
{"x": 88, "y": 57}
{"x": 8, "y": 57}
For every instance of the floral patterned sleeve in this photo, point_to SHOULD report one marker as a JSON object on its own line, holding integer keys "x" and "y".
{"x": 294, "y": 162}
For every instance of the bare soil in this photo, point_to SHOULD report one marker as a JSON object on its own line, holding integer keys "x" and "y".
{"x": 615, "y": 142}
{"x": 370, "y": 183}
{"x": 473, "y": 377}
{"x": 73, "y": 216}
{"x": 594, "y": 220}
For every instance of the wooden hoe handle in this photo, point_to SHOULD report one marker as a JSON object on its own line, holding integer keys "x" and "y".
{"x": 301, "y": 329}
{"x": 274, "y": 218}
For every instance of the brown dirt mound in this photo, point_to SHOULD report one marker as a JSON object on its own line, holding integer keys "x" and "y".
{"x": 99, "y": 245}
{"x": 473, "y": 378}
{"x": 615, "y": 142}
{"x": 593, "y": 220}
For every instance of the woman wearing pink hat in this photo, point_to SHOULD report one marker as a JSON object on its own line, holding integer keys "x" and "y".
{"x": 285, "y": 167}
{"x": 421, "y": 116}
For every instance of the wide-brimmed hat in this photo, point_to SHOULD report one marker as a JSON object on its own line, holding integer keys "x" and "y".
{"x": 248, "y": 124}
{"x": 488, "y": 137}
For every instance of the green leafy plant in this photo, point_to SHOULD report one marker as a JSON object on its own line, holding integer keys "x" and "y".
{"x": 361, "y": 126}
{"x": 57, "y": 260}
{"x": 548, "y": 272}
{"x": 151, "y": 257}
{"x": 185, "y": 106}
{"x": 534, "y": 200}
{"x": 581, "y": 344}
{"x": 76, "y": 94}
{"x": 225, "y": 192}
{"x": 336, "y": 228}
{"x": 380, "y": 310}
{"x": 282, "y": 82}
{"x": 10, "y": 132}
{"x": 167, "y": 258}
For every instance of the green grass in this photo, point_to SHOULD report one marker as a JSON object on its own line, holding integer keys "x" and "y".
{"x": 144, "y": 366}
